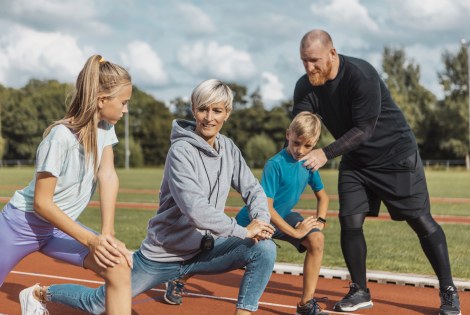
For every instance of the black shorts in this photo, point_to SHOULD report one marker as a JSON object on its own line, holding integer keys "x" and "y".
{"x": 292, "y": 219}
{"x": 400, "y": 186}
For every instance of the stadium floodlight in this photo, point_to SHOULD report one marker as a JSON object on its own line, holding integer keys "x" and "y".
{"x": 466, "y": 43}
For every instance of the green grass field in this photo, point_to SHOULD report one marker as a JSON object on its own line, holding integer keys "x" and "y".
{"x": 392, "y": 246}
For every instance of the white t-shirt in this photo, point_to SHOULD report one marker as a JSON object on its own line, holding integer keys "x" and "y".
{"x": 62, "y": 155}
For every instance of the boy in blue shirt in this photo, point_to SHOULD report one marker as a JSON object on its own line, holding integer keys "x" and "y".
{"x": 284, "y": 179}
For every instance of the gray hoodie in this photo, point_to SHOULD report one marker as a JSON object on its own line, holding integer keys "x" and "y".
{"x": 193, "y": 193}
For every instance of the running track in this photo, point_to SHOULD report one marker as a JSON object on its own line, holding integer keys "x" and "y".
{"x": 217, "y": 294}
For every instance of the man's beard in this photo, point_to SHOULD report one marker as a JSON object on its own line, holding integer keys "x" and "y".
{"x": 320, "y": 77}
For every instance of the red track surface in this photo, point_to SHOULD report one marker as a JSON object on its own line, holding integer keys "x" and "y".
{"x": 216, "y": 294}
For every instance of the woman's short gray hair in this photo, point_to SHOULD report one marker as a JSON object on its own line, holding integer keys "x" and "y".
{"x": 210, "y": 92}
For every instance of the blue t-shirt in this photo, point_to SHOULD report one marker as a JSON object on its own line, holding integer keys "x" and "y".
{"x": 284, "y": 180}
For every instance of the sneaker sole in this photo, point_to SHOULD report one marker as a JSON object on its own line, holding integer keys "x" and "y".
{"x": 170, "y": 301}
{"x": 356, "y": 307}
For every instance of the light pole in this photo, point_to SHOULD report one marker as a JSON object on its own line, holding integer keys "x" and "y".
{"x": 127, "y": 152}
{"x": 465, "y": 43}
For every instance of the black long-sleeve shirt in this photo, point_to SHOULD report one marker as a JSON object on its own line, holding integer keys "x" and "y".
{"x": 356, "y": 107}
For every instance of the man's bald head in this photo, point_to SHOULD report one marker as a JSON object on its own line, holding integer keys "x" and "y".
{"x": 316, "y": 37}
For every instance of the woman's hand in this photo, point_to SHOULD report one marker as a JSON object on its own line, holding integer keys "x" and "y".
{"x": 259, "y": 230}
{"x": 108, "y": 251}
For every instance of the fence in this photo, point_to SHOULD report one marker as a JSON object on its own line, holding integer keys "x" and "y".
{"x": 334, "y": 164}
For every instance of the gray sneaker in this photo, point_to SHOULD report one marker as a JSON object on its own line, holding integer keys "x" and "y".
{"x": 29, "y": 305}
{"x": 450, "y": 304}
{"x": 310, "y": 308}
{"x": 174, "y": 292}
{"x": 356, "y": 299}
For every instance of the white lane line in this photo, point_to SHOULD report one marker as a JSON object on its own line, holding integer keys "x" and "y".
{"x": 161, "y": 290}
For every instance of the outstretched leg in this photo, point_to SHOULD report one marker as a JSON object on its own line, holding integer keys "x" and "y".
{"x": 233, "y": 253}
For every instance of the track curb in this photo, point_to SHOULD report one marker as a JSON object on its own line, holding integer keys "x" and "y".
{"x": 383, "y": 277}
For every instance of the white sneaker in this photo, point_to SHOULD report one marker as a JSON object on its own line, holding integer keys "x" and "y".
{"x": 29, "y": 305}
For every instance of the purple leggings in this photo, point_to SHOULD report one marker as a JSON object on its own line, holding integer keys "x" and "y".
{"x": 23, "y": 233}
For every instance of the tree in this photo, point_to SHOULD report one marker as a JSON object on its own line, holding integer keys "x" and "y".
{"x": 275, "y": 125}
{"x": 239, "y": 95}
{"x": 182, "y": 108}
{"x": 452, "y": 111}
{"x": 3, "y": 97}
{"x": 257, "y": 99}
{"x": 402, "y": 78}
{"x": 258, "y": 150}
{"x": 149, "y": 126}
{"x": 136, "y": 157}
{"x": 244, "y": 124}
{"x": 27, "y": 113}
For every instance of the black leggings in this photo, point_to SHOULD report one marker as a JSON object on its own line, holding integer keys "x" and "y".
{"x": 430, "y": 234}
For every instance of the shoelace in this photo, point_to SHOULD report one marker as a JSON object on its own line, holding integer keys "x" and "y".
{"x": 316, "y": 307}
{"x": 352, "y": 290}
{"x": 447, "y": 298}
{"x": 179, "y": 288}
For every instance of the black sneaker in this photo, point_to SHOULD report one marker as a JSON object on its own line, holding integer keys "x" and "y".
{"x": 174, "y": 292}
{"x": 356, "y": 299}
{"x": 450, "y": 304}
{"x": 310, "y": 308}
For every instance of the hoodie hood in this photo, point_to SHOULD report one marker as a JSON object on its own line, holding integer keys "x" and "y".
{"x": 185, "y": 130}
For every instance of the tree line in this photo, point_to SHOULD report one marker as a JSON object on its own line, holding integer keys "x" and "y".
{"x": 441, "y": 126}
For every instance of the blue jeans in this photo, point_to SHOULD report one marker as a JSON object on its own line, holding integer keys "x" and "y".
{"x": 228, "y": 254}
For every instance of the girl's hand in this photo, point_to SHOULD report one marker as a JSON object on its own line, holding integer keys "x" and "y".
{"x": 105, "y": 250}
{"x": 127, "y": 254}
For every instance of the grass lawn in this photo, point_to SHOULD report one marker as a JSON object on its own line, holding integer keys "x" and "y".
{"x": 392, "y": 246}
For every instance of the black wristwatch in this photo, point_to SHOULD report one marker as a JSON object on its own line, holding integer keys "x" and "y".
{"x": 322, "y": 220}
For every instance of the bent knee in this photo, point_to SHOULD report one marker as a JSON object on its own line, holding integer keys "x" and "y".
{"x": 315, "y": 241}
{"x": 119, "y": 273}
{"x": 266, "y": 249}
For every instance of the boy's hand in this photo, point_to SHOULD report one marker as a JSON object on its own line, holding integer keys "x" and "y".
{"x": 302, "y": 228}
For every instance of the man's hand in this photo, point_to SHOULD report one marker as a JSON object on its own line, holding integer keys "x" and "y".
{"x": 315, "y": 159}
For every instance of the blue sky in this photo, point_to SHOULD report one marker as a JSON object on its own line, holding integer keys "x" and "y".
{"x": 171, "y": 46}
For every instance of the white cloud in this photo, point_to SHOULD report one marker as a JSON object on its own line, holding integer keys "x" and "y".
{"x": 49, "y": 15}
{"x": 70, "y": 8}
{"x": 144, "y": 64}
{"x": 345, "y": 13}
{"x": 198, "y": 21}
{"x": 26, "y": 54}
{"x": 221, "y": 62}
{"x": 271, "y": 88}
{"x": 429, "y": 15}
